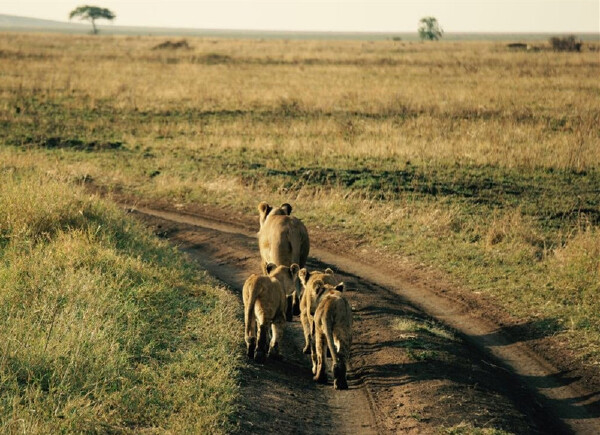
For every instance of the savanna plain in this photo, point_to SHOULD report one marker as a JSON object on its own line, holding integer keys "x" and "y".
{"x": 465, "y": 158}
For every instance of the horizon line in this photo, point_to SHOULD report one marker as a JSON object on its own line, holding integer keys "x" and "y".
{"x": 373, "y": 32}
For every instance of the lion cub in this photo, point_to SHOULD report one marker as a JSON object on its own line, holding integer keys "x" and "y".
{"x": 308, "y": 301}
{"x": 332, "y": 328}
{"x": 265, "y": 306}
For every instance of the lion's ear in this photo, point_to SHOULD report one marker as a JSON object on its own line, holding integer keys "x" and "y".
{"x": 286, "y": 208}
{"x": 304, "y": 275}
{"x": 294, "y": 268}
{"x": 270, "y": 268}
{"x": 329, "y": 271}
{"x": 340, "y": 287}
{"x": 319, "y": 287}
{"x": 264, "y": 209}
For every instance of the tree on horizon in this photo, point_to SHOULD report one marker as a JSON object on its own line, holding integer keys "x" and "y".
{"x": 92, "y": 13}
{"x": 430, "y": 29}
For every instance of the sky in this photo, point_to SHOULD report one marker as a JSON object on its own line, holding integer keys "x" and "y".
{"x": 547, "y": 16}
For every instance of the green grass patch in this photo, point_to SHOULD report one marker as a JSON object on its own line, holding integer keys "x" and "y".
{"x": 410, "y": 324}
{"x": 469, "y": 429}
{"x": 102, "y": 327}
{"x": 423, "y": 340}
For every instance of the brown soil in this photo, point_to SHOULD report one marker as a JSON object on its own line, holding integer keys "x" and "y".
{"x": 400, "y": 381}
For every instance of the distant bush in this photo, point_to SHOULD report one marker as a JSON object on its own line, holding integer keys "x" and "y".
{"x": 565, "y": 43}
{"x": 213, "y": 59}
{"x": 517, "y": 46}
{"x": 170, "y": 45}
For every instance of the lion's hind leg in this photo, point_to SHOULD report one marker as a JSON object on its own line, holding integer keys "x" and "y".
{"x": 339, "y": 374}
{"x": 321, "y": 348}
{"x": 262, "y": 343}
{"x": 306, "y": 330}
{"x": 342, "y": 353}
{"x": 251, "y": 338}
{"x": 276, "y": 336}
{"x": 289, "y": 308}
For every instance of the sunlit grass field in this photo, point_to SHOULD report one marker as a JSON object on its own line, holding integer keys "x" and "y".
{"x": 466, "y": 156}
{"x": 104, "y": 329}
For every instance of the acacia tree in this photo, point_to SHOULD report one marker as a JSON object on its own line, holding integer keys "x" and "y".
{"x": 430, "y": 29}
{"x": 92, "y": 13}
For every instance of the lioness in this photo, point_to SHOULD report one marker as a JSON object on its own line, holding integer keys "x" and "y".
{"x": 283, "y": 240}
{"x": 308, "y": 302}
{"x": 265, "y": 305}
{"x": 332, "y": 328}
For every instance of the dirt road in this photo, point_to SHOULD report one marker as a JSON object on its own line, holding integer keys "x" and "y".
{"x": 408, "y": 374}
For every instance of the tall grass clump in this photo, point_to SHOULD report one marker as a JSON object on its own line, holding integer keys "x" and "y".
{"x": 575, "y": 272}
{"x": 102, "y": 327}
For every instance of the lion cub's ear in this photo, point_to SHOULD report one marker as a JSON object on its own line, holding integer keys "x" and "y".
{"x": 328, "y": 271}
{"x": 319, "y": 287}
{"x": 264, "y": 209}
{"x": 340, "y": 287}
{"x": 294, "y": 268}
{"x": 286, "y": 208}
{"x": 304, "y": 275}
{"x": 270, "y": 268}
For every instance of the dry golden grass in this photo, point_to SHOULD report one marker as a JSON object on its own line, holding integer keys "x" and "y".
{"x": 472, "y": 102}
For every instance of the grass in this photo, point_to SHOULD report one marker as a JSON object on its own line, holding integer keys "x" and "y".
{"x": 468, "y": 429}
{"x": 481, "y": 162}
{"x": 102, "y": 327}
{"x": 422, "y": 339}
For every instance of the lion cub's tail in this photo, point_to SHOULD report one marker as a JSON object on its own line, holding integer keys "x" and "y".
{"x": 252, "y": 288}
